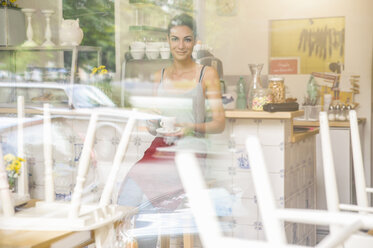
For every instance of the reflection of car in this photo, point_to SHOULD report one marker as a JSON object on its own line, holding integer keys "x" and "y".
{"x": 58, "y": 95}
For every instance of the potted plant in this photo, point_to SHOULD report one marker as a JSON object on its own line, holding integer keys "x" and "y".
{"x": 12, "y": 24}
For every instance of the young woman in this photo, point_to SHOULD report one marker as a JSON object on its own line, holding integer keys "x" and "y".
{"x": 187, "y": 89}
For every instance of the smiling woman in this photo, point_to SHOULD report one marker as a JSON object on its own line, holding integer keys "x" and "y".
{"x": 183, "y": 91}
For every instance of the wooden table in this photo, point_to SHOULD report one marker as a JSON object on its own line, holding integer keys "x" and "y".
{"x": 43, "y": 239}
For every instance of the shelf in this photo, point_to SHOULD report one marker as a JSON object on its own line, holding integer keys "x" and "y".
{"x": 54, "y": 48}
{"x": 298, "y": 136}
{"x": 74, "y": 49}
{"x": 162, "y": 5}
{"x": 147, "y": 28}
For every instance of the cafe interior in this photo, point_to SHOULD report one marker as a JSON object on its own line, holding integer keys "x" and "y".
{"x": 186, "y": 123}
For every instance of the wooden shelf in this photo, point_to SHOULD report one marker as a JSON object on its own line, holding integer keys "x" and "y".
{"x": 296, "y": 137}
{"x": 53, "y": 48}
{"x": 160, "y": 4}
{"x": 147, "y": 28}
{"x": 331, "y": 123}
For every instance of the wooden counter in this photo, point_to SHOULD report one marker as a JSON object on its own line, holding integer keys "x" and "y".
{"x": 290, "y": 159}
{"x": 247, "y": 114}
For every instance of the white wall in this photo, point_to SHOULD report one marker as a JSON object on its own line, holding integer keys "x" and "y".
{"x": 244, "y": 38}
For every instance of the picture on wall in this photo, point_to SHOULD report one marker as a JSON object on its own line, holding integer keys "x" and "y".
{"x": 317, "y": 44}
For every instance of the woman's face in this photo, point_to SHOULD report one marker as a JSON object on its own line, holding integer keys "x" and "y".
{"x": 181, "y": 40}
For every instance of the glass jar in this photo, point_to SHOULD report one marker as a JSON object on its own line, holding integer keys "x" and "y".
{"x": 277, "y": 86}
{"x": 260, "y": 97}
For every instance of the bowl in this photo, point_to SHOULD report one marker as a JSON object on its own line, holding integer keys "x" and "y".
{"x": 152, "y": 54}
{"x": 137, "y": 54}
{"x": 137, "y": 45}
{"x": 152, "y": 46}
{"x": 165, "y": 53}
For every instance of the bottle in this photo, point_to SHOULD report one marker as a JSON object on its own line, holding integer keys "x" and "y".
{"x": 241, "y": 94}
{"x": 223, "y": 89}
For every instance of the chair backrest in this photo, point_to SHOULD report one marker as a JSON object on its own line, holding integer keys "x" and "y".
{"x": 83, "y": 167}
{"x": 360, "y": 183}
{"x": 331, "y": 188}
{"x": 85, "y": 157}
{"x": 273, "y": 227}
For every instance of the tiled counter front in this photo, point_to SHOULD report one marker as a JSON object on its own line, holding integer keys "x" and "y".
{"x": 292, "y": 172}
{"x": 67, "y": 142}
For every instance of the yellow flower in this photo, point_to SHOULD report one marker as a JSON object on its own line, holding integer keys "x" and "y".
{"x": 21, "y": 159}
{"x": 3, "y": 3}
{"x": 9, "y": 157}
{"x": 13, "y": 164}
{"x": 101, "y": 67}
{"x": 94, "y": 70}
{"x": 103, "y": 71}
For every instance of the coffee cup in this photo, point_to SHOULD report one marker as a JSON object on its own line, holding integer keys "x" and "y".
{"x": 168, "y": 123}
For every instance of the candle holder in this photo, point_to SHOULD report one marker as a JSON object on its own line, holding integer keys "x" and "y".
{"x": 48, "y": 34}
{"x": 29, "y": 32}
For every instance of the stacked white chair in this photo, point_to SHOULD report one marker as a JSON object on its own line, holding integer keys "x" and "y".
{"x": 331, "y": 189}
{"x": 210, "y": 233}
{"x": 360, "y": 184}
{"x": 71, "y": 216}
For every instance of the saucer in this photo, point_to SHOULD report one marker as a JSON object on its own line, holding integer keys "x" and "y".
{"x": 162, "y": 131}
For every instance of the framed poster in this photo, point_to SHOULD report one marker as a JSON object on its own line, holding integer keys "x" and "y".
{"x": 319, "y": 43}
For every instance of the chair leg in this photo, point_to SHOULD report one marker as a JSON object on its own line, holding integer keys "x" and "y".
{"x": 188, "y": 240}
{"x": 165, "y": 241}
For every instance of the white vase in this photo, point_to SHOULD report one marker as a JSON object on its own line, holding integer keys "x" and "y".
{"x": 70, "y": 33}
{"x": 14, "y": 28}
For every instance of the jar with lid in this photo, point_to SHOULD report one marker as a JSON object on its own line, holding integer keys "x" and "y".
{"x": 260, "y": 97}
{"x": 342, "y": 114}
{"x": 348, "y": 108}
{"x": 277, "y": 86}
{"x": 331, "y": 113}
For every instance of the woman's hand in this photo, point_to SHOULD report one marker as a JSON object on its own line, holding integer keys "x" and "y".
{"x": 186, "y": 129}
{"x": 152, "y": 126}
